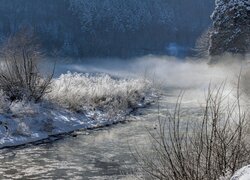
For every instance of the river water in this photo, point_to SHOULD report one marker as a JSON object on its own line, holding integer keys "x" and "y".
{"x": 105, "y": 153}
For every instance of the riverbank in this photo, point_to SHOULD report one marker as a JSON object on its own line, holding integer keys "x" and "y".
{"x": 76, "y": 101}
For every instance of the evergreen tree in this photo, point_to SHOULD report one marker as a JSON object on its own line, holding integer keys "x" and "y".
{"x": 231, "y": 28}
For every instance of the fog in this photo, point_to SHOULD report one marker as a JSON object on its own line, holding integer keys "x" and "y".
{"x": 168, "y": 71}
{"x": 192, "y": 75}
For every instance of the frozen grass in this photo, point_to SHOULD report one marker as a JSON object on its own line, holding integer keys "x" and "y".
{"x": 82, "y": 92}
{"x": 79, "y": 92}
{"x": 4, "y": 103}
{"x": 75, "y": 101}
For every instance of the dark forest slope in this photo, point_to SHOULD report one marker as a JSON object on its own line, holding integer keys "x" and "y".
{"x": 107, "y": 27}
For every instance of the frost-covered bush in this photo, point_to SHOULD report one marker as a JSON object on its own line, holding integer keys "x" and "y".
{"x": 4, "y": 102}
{"x": 17, "y": 108}
{"x": 78, "y": 92}
{"x": 20, "y": 75}
{"x": 23, "y": 108}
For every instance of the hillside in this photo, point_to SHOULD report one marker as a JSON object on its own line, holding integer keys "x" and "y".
{"x": 107, "y": 27}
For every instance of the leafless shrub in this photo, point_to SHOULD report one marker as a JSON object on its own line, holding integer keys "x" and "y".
{"x": 246, "y": 81}
{"x": 202, "y": 44}
{"x": 212, "y": 147}
{"x": 19, "y": 72}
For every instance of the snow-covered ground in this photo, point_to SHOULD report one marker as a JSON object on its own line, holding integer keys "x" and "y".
{"x": 76, "y": 101}
{"x": 242, "y": 174}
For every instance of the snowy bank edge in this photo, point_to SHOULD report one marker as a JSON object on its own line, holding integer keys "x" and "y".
{"x": 242, "y": 174}
{"x": 80, "y": 125}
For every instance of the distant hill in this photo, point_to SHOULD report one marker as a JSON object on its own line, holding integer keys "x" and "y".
{"x": 107, "y": 27}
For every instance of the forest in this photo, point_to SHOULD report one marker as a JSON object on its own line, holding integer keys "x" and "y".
{"x": 93, "y": 28}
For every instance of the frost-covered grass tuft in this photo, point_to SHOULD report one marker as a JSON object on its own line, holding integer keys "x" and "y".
{"x": 4, "y": 102}
{"x": 17, "y": 108}
{"x": 82, "y": 92}
{"x": 75, "y": 101}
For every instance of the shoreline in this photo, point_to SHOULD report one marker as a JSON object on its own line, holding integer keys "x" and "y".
{"x": 82, "y": 123}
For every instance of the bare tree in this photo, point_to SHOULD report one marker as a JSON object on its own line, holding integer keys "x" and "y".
{"x": 20, "y": 77}
{"x": 202, "y": 44}
{"x": 207, "y": 149}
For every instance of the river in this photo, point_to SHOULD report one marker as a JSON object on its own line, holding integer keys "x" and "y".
{"x": 104, "y": 153}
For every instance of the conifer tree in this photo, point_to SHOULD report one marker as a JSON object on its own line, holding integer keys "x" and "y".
{"x": 231, "y": 28}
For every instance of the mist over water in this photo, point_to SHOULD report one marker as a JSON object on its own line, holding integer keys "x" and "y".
{"x": 165, "y": 71}
{"x": 106, "y": 154}
{"x": 192, "y": 75}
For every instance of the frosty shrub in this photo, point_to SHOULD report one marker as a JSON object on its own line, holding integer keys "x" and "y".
{"x": 78, "y": 92}
{"x": 17, "y": 108}
{"x": 24, "y": 108}
{"x": 211, "y": 146}
{"x": 4, "y": 102}
{"x": 20, "y": 77}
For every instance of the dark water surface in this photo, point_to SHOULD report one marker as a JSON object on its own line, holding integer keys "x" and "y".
{"x": 99, "y": 154}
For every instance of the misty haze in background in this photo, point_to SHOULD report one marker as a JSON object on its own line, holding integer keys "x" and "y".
{"x": 109, "y": 28}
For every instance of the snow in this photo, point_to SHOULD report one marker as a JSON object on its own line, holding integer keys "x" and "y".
{"x": 242, "y": 174}
{"x": 23, "y": 122}
{"x": 222, "y": 6}
{"x": 231, "y": 24}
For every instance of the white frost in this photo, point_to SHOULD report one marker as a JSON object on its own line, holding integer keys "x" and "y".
{"x": 76, "y": 101}
{"x": 242, "y": 174}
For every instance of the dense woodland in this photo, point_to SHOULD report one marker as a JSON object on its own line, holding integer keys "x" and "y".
{"x": 107, "y": 27}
